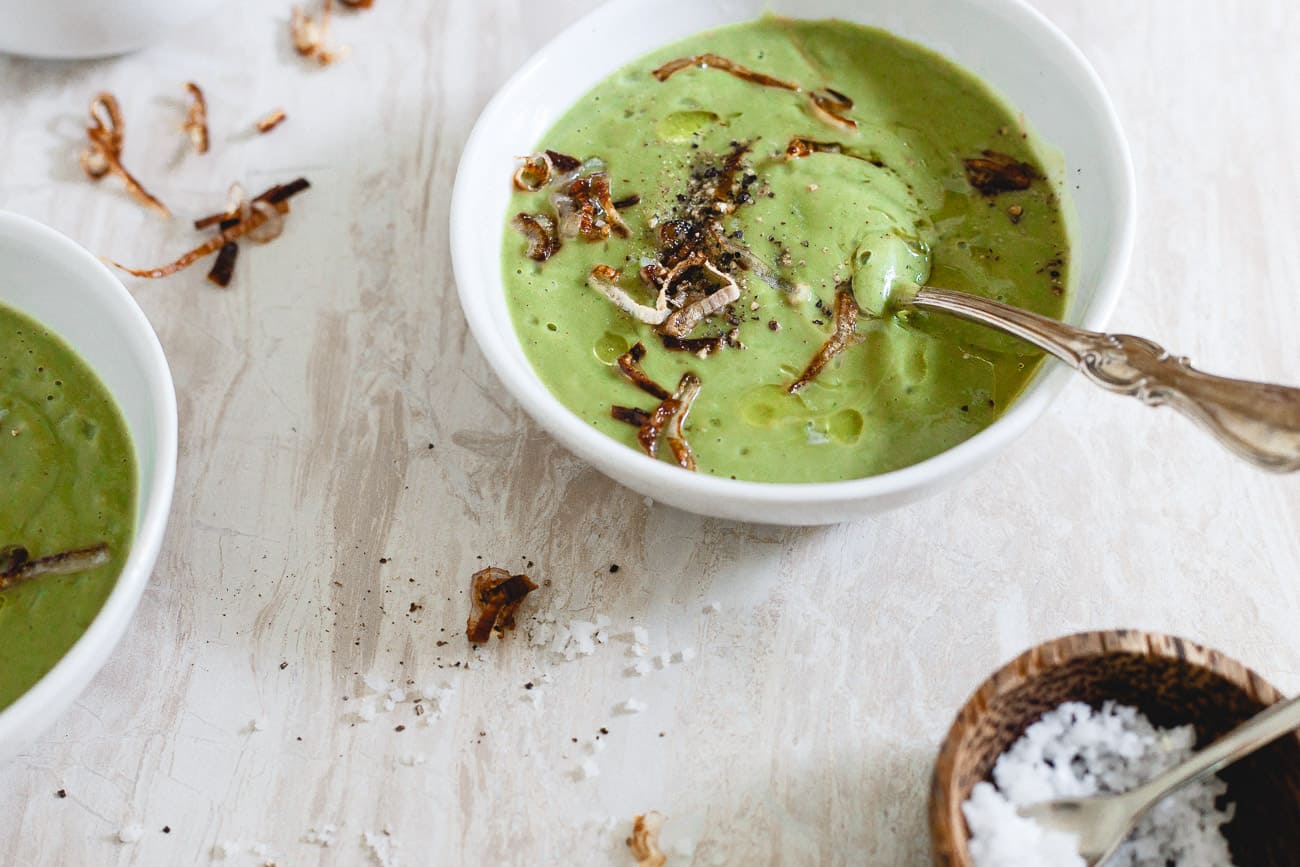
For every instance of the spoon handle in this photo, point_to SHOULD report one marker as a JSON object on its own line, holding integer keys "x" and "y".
{"x": 1259, "y": 421}
{"x": 1261, "y": 730}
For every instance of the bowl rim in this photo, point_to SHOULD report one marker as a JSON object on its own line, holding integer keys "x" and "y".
{"x": 949, "y": 835}
{"x": 637, "y": 470}
{"x": 72, "y": 673}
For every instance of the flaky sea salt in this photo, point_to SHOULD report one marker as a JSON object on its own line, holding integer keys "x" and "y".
{"x": 324, "y": 836}
{"x": 130, "y": 834}
{"x": 1074, "y": 751}
{"x": 381, "y": 847}
{"x": 633, "y": 705}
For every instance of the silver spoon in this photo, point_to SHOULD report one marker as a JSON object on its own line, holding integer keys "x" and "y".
{"x": 1258, "y": 421}
{"x": 1103, "y": 821}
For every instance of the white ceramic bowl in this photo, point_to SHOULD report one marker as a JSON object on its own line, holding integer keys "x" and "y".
{"x": 1006, "y": 42}
{"x": 74, "y": 29}
{"x": 56, "y": 282}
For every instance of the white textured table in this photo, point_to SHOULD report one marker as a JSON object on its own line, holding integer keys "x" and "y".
{"x": 347, "y": 458}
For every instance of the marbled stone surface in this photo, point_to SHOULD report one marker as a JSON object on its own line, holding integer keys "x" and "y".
{"x": 335, "y": 415}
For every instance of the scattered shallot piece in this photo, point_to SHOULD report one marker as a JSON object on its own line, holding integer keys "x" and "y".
{"x": 311, "y": 35}
{"x": 496, "y": 595}
{"x": 996, "y": 172}
{"x": 844, "y": 335}
{"x": 644, "y": 841}
{"x": 604, "y": 280}
{"x": 16, "y": 566}
{"x": 542, "y": 234}
{"x": 270, "y": 121}
{"x": 196, "y": 121}
{"x": 629, "y": 365}
{"x": 104, "y": 156}
{"x": 223, "y": 269}
{"x": 682, "y": 322}
{"x": 359, "y": 4}
{"x": 260, "y": 220}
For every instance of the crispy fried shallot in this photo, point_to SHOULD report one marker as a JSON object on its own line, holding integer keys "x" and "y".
{"x": 196, "y": 120}
{"x": 996, "y": 172}
{"x": 714, "y": 61}
{"x": 223, "y": 269}
{"x": 670, "y": 415}
{"x": 632, "y": 415}
{"x": 827, "y": 104}
{"x": 803, "y": 147}
{"x": 844, "y": 335}
{"x": 495, "y": 595}
{"x": 311, "y": 35}
{"x": 104, "y": 156}
{"x": 605, "y": 280}
{"x": 701, "y": 346}
{"x": 682, "y": 322}
{"x": 543, "y": 168}
{"x": 644, "y": 841}
{"x": 585, "y": 208}
{"x": 359, "y": 4}
{"x": 540, "y": 230}
{"x": 270, "y": 121}
{"x": 16, "y": 565}
{"x": 629, "y": 365}
{"x": 260, "y": 219}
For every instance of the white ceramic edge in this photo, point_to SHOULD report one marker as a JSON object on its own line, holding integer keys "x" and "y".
{"x": 797, "y": 503}
{"x": 37, "y": 708}
{"x": 83, "y": 30}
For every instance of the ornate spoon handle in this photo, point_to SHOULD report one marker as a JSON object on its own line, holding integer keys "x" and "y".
{"x": 1259, "y": 421}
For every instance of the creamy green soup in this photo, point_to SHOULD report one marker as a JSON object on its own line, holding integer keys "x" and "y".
{"x": 68, "y": 474}
{"x": 843, "y": 161}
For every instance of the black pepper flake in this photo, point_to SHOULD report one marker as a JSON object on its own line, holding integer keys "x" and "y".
{"x": 383, "y": 559}
{"x": 283, "y": 666}
{"x": 773, "y": 325}
{"x": 604, "y": 731}
{"x": 965, "y": 407}
{"x": 613, "y": 568}
{"x": 401, "y": 728}
{"x": 528, "y": 685}
{"x": 167, "y": 829}
{"x": 61, "y": 793}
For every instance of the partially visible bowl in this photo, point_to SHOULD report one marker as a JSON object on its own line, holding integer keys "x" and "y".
{"x": 1173, "y": 682}
{"x": 1005, "y": 42}
{"x": 51, "y": 279}
{"x": 78, "y": 29}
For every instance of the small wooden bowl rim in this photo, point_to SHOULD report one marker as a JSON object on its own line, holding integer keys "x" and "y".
{"x": 948, "y": 831}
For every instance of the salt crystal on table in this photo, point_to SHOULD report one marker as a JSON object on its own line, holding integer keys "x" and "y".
{"x": 633, "y": 705}
{"x": 130, "y": 834}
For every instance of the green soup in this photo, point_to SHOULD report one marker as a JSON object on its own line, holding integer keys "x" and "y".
{"x": 68, "y": 474}
{"x": 891, "y": 199}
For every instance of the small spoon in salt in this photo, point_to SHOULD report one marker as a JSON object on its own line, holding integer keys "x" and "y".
{"x": 1101, "y": 822}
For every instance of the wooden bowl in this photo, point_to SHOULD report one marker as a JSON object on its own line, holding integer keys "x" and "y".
{"x": 1173, "y": 682}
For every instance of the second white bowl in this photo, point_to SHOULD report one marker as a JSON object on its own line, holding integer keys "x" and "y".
{"x": 48, "y": 277}
{"x": 1005, "y": 42}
